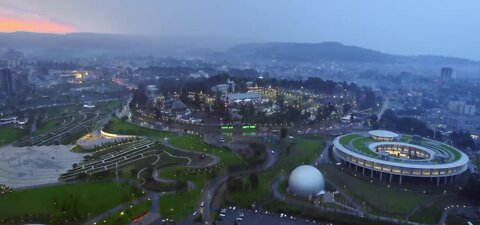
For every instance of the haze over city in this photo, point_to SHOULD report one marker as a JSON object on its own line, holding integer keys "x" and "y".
{"x": 272, "y": 112}
{"x": 408, "y": 27}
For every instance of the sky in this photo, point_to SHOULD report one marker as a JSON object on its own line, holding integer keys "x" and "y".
{"x": 408, "y": 27}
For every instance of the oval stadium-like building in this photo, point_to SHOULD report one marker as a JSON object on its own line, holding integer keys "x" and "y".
{"x": 387, "y": 153}
{"x": 306, "y": 181}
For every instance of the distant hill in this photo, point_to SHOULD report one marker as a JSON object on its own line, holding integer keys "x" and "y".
{"x": 330, "y": 51}
{"x": 84, "y": 44}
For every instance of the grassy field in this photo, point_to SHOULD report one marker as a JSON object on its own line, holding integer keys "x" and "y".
{"x": 169, "y": 204}
{"x": 360, "y": 144}
{"x": 83, "y": 198}
{"x": 110, "y": 106}
{"x": 345, "y": 140}
{"x": 427, "y": 215}
{"x": 195, "y": 142}
{"x": 46, "y": 126}
{"x": 405, "y": 138}
{"x": 378, "y": 196}
{"x": 118, "y": 126}
{"x": 126, "y": 216}
{"x": 303, "y": 150}
{"x": 179, "y": 205}
{"x": 9, "y": 134}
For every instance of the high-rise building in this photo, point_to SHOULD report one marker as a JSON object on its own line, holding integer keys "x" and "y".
{"x": 6, "y": 83}
{"x": 461, "y": 107}
{"x": 446, "y": 74}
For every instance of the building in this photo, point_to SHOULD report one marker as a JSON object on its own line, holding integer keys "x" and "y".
{"x": 243, "y": 97}
{"x": 6, "y": 82}
{"x": 228, "y": 87}
{"x": 407, "y": 156}
{"x": 461, "y": 107}
{"x": 306, "y": 181}
{"x": 446, "y": 74}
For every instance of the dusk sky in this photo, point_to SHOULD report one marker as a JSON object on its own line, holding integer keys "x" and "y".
{"x": 442, "y": 27}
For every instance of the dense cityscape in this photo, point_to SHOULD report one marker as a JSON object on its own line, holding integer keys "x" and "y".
{"x": 118, "y": 129}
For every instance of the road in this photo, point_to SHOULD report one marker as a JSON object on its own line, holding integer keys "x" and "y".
{"x": 210, "y": 190}
{"x": 323, "y": 158}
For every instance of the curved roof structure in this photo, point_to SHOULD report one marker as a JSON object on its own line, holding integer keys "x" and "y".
{"x": 362, "y": 150}
{"x": 306, "y": 181}
{"x": 383, "y": 133}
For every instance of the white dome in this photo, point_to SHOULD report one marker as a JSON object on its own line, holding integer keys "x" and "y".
{"x": 306, "y": 181}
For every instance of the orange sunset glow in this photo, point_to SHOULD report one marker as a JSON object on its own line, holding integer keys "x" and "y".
{"x": 39, "y": 25}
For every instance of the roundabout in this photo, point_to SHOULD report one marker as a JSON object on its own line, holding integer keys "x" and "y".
{"x": 387, "y": 153}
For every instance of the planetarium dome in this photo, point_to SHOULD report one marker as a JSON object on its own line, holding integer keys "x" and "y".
{"x": 306, "y": 181}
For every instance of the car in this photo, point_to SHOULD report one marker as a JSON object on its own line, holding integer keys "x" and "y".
{"x": 221, "y": 215}
{"x": 195, "y": 213}
{"x": 273, "y": 152}
{"x": 201, "y": 204}
{"x": 234, "y": 208}
{"x": 239, "y": 219}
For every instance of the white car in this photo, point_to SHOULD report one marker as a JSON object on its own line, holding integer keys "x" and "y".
{"x": 201, "y": 204}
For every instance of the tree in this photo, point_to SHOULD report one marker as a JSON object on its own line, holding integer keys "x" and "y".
{"x": 253, "y": 178}
{"x": 283, "y": 133}
{"x": 346, "y": 108}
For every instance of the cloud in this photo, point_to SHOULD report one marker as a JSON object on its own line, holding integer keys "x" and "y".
{"x": 12, "y": 20}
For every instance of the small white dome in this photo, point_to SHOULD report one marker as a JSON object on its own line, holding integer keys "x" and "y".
{"x": 306, "y": 181}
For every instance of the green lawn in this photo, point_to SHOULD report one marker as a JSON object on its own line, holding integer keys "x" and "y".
{"x": 376, "y": 195}
{"x": 303, "y": 151}
{"x": 361, "y": 145}
{"x": 180, "y": 205}
{"x": 405, "y": 138}
{"x": 427, "y": 215}
{"x": 84, "y": 198}
{"x": 345, "y": 140}
{"x": 118, "y": 126}
{"x": 455, "y": 152}
{"x": 10, "y": 134}
{"x": 126, "y": 216}
{"x": 169, "y": 204}
{"x": 46, "y": 126}
{"x": 195, "y": 142}
{"x": 110, "y": 106}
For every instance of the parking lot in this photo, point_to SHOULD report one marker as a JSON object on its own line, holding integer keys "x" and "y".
{"x": 258, "y": 217}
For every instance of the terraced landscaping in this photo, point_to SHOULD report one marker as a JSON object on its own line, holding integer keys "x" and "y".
{"x": 48, "y": 125}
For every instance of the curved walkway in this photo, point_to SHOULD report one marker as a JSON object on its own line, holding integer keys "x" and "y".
{"x": 215, "y": 159}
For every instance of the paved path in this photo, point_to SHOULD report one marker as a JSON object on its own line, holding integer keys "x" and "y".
{"x": 323, "y": 158}
{"x": 215, "y": 159}
{"x": 211, "y": 189}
